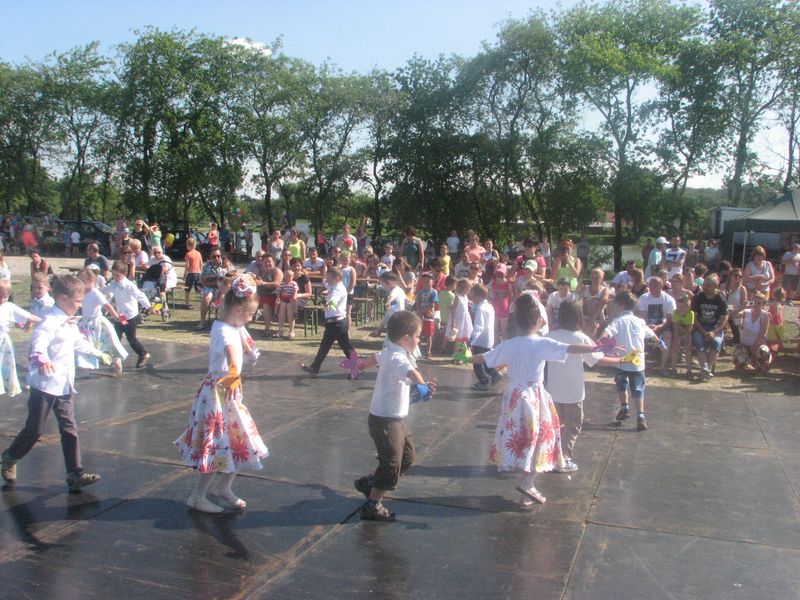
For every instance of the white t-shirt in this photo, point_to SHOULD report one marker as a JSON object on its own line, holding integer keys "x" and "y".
{"x": 675, "y": 255}
{"x": 525, "y": 357}
{"x": 75, "y": 237}
{"x": 395, "y": 301}
{"x": 565, "y": 379}
{"x": 223, "y": 335}
{"x": 630, "y": 332}
{"x": 622, "y": 278}
{"x": 656, "y": 310}
{"x": 554, "y": 302}
{"x": 791, "y": 268}
{"x": 483, "y": 326}
{"x": 390, "y": 398}
{"x": 11, "y": 314}
{"x": 93, "y": 303}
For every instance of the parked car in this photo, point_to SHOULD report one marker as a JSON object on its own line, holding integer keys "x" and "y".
{"x": 90, "y": 231}
{"x": 178, "y": 248}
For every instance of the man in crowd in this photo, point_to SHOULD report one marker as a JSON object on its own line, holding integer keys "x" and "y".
{"x": 711, "y": 316}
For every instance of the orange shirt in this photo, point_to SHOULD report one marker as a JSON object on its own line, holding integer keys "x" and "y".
{"x": 194, "y": 261}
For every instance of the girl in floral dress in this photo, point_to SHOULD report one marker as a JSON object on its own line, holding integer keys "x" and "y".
{"x": 528, "y": 435}
{"x": 221, "y": 437}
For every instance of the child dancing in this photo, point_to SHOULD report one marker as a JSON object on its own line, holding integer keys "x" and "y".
{"x": 41, "y": 300}
{"x": 397, "y": 371}
{"x": 10, "y": 315}
{"x": 335, "y": 322}
{"x": 51, "y": 375}
{"x": 528, "y": 431}
{"x": 96, "y": 327}
{"x": 221, "y": 436}
{"x": 127, "y": 298}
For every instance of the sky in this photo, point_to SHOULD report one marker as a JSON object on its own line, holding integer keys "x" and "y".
{"x": 356, "y": 35}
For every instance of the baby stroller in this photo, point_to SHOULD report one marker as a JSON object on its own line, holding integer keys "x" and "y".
{"x": 155, "y": 285}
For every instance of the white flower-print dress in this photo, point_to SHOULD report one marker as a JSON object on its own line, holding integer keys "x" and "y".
{"x": 221, "y": 435}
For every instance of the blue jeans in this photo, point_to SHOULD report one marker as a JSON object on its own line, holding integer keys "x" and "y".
{"x": 634, "y": 379}
{"x": 703, "y": 344}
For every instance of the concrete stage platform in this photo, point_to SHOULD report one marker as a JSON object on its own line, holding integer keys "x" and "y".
{"x": 704, "y": 505}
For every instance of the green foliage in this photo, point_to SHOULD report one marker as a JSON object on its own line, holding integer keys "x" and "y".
{"x": 184, "y": 128}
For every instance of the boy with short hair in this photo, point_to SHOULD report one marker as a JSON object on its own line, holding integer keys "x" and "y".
{"x": 427, "y": 303}
{"x": 565, "y": 380}
{"x": 395, "y": 300}
{"x": 51, "y": 375}
{"x": 630, "y": 333}
{"x": 554, "y": 300}
{"x": 191, "y": 274}
{"x": 335, "y": 321}
{"x": 481, "y": 340}
{"x": 41, "y": 300}
{"x": 391, "y": 397}
{"x": 388, "y": 257}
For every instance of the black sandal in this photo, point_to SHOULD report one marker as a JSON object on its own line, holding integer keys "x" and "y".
{"x": 376, "y": 513}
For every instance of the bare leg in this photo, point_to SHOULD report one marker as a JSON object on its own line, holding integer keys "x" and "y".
{"x": 198, "y": 500}
{"x": 223, "y": 490}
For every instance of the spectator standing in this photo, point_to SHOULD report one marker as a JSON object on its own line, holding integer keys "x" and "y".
{"x": 453, "y": 243}
{"x": 791, "y": 268}
{"x": 758, "y": 274}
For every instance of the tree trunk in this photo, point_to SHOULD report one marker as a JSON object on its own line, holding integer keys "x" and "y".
{"x": 268, "y": 204}
{"x": 735, "y": 185}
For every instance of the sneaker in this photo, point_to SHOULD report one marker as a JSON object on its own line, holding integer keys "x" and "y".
{"x": 9, "y": 469}
{"x": 705, "y": 372}
{"x": 309, "y": 370}
{"x": 142, "y": 360}
{"x": 481, "y": 386}
{"x": 76, "y": 481}
{"x": 495, "y": 378}
{"x": 569, "y": 467}
{"x": 624, "y": 413}
{"x": 364, "y": 485}
{"x": 641, "y": 424}
{"x": 376, "y": 513}
{"x": 116, "y": 365}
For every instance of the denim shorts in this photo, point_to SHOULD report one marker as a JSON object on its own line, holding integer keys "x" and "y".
{"x": 634, "y": 379}
{"x": 703, "y": 345}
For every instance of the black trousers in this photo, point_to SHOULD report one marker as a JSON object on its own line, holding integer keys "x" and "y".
{"x": 39, "y": 406}
{"x": 334, "y": 332}
{"x": 130, "y": 332}
{"x": 395, "y": 446}
{"x": 482, "y": 372}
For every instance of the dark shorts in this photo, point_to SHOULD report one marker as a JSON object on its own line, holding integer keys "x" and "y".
{"x": 192, "y": 281}
{"x": 395, "y": 446}
{"x": 632, "y": 379}
{"x": 790, "y": 283}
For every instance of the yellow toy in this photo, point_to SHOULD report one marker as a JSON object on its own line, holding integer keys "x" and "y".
{"x": 634, "y": 357}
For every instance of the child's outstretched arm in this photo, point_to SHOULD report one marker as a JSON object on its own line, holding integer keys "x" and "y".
{"x": 369, "y": 362}
{"x": 415, "y": 376}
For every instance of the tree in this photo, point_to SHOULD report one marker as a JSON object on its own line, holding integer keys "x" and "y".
{"x": 266, "y": 109}
{"x": 75, "y": 82}
{"x": 751, "y": 36}
{"x": 694, "y": 110}
{"x": 612, "y": 53}
{"x": 330, "y": 113}
{"x": 27, "y": 136}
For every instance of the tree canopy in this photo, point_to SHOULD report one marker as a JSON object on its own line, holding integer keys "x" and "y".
{"x": 564, "y": 116}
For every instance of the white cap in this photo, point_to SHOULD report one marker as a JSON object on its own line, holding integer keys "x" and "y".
{"x": 661, "y": 240}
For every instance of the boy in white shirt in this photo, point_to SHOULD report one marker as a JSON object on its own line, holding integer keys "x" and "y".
{"x": 554, "y": 300}
{"x": 397, "y": 372}
{"x": 565, "y": 381}
{"x": 51, "y": 375}
{"x": 127, "y": 298}
{"x": 388, "y": 255}
{"x": 75, "y": 240}
{"x": 335, "y": 322}
{"x": 41, "y": 300}
{"x": 395, "y": 300}
{"x": 630, "y": 332}
{"x": 482, "y": 338}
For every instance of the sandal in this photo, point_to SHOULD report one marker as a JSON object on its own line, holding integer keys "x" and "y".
{"x": 376, "y": 513}
{"x": 533, "y": 494}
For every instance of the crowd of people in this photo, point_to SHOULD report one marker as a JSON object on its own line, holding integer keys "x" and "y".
{"x": 509, "y": 313}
